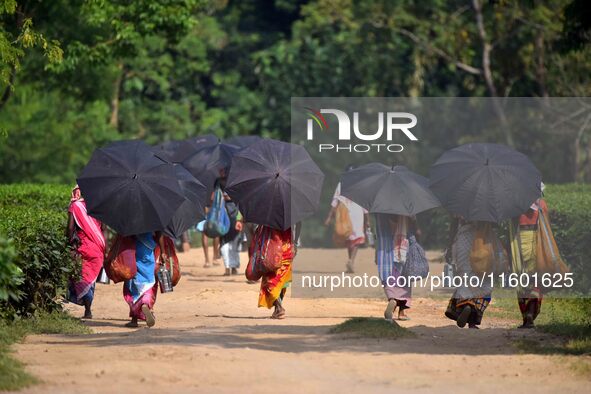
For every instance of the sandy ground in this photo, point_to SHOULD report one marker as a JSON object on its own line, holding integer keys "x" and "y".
{"x": 210, "y": 335}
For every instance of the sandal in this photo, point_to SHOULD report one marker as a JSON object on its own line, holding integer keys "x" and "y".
{"x": 132, "y": 324}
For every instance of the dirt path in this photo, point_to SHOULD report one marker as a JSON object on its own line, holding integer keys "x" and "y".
{"x": 210, "y": 336}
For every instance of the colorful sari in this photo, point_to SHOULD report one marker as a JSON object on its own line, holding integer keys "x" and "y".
{"x": 275, "y": 284}
{"x": 91, "y": 250}
{"x": 142, "y": 289}
{"x": 391, "y": 252}
{"x": 523, "y": 236}
{"x": 477, "y": 298}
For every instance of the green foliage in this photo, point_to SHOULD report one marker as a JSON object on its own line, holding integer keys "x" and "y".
{"x": 570, "y": 215}
{"x": 34, "y": 218}
{"x": 11, "y": 276}
{"x": 50, "y": 137}
{"x": 12, "y": 373}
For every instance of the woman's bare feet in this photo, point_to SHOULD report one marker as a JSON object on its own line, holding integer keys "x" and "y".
{"x": 402, "y": 315}
{"x": 132, "y": 323}
{"x": 150, "y": 318}
{"x": 207, "y": 264}
{"x": 279, "y": 312}
{"x": 390, "y": 308}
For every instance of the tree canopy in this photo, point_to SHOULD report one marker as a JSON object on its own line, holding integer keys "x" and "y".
{"x": 76, "y": 74}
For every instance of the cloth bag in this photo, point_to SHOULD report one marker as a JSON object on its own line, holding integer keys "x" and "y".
{"x": 120, "y": 264}
{"x": 416, "y": 264}
{"x": 172, "y": 263}
{"x": 268, "y": 249}
{"x": 217, "y": 222}
{"x": 548, "y": 258}
{"x": 342, "y": 225}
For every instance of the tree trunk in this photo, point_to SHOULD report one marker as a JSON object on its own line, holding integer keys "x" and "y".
{"x": 114, "y": 121}
{"x": 487, "y": 73}
{"x": 541, "y": 66}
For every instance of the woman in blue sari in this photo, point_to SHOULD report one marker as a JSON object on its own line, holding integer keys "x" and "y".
{"x": 140, "y": 292}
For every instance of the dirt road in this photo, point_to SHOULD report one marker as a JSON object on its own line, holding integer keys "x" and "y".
{"x": 210, "y": 337}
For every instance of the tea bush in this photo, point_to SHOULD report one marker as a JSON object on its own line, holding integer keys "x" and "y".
{"x": 34, "y": 218}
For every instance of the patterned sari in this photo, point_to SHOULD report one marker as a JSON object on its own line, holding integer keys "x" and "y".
{"x": 274, "y": 284}
{"x": 91, "y": 250}
{"x": 391, "y": 252}
{"x": 477, "y": 298}
{"x": 142, "y": 289}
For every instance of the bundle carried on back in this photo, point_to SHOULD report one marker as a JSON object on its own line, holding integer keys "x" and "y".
{"x": 120, "y": 264}
{"x": 343, "y": 227}
{"x": 268, "y": 250}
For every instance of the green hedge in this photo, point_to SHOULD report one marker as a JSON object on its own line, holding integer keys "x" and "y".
{"x": 34, "y": 219}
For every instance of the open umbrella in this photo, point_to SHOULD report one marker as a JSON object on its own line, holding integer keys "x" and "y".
{"x": 485, "y": 182}
{"x": 192, "y": 210}
{"x": 211, "y": 162}
{"x": 388, "y": 189}
{"x": 243, "y": 141}
{"x": 130, "y": 189}
{"x": 275, "y": 183}
{"x": 178, "y": 151}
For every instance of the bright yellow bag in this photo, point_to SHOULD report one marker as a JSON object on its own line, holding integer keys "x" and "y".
{"x": 342, "y": 226}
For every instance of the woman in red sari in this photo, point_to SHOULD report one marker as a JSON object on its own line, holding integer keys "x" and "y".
{"x": 85, "y": 235}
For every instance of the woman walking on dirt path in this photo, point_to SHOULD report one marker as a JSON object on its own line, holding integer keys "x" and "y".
{"x": 140, "y": 292}
{"x": 392, "y": 233}
{"x": 468, "y": 303}
{"x": 85, "y": 235}
{"x": 358, "y": 218}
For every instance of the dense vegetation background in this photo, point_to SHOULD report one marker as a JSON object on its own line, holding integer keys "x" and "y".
{"x": 76, "y": 74}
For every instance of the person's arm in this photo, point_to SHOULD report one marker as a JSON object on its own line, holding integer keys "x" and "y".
{"x": 297, "y": 228}
{"x": 239, "y": 225}
{"x": 71, "y": 227}
{"x": 366, "y": 222}
{"x": 160, "y": 240}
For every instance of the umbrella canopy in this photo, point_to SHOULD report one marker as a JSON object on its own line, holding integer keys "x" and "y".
{"x": 210, "y": 163}
{"x": 178, "y": 151}
{"x": 192, "y": 210}
{"x": 388, "y": 189}
{"x": 275, "y": 183}
{"x": 128, "y": 188}
{"x": 485, "y": 182}
{"x": 243, "y": 141}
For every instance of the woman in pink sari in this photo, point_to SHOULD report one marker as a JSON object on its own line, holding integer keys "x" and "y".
{"x": 86, "y": 237}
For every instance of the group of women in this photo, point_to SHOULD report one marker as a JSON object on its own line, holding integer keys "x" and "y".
{"x": 394, "y": 233}
{"x": 88, "y": 239}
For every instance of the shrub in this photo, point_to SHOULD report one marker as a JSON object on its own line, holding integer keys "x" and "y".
{"x": 11, "y": 276}
{"x": 34, "y": 217}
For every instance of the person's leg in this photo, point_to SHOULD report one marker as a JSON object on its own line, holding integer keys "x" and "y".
{"x": 216, "y": 251}
{"x": 279, "y": 312}
{"x": 235, "y": 254}
{"x": 352, "y": 252}
{"x": 225, "y": 252}
{"x": 402, "y": 305}
{"x": 205, "y": 245}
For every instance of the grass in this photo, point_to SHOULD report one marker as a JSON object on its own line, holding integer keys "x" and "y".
{"x": 570, "y": 319}
{"x": 12, "y": 373}
{"x": 368, "y": 327}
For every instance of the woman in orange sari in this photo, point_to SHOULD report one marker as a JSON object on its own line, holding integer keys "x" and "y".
{"x": 274, "y": 284}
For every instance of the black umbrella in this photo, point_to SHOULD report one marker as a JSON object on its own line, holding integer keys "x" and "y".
{"x": 192, "y": 210}
{"x": 130, "y": 189}
{"x": 243, "y": 141}
{"x": 275, "y": 183}
{"x": 179, "y": 151}
{"x": 210, "y": 163}
{"x": 485, "y": 182}
{"x": 388, "y": 189}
